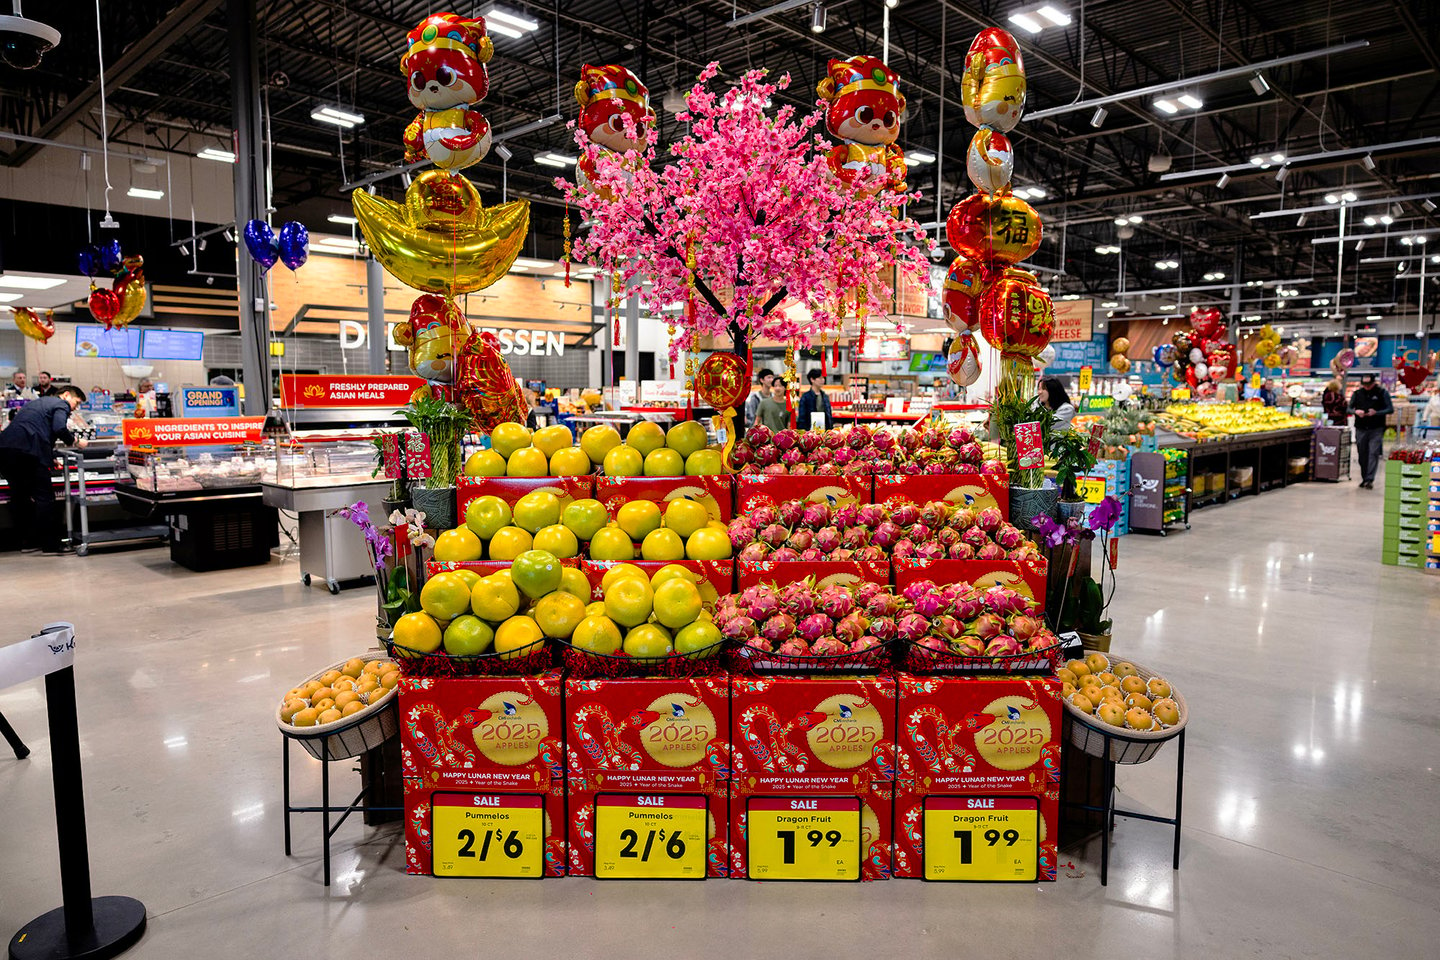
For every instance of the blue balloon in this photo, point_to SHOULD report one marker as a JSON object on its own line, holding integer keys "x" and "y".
{"x": 260, "y": 241}
{"x": 1163, "y": 355}
{"x": 111, "y": 256}
{"x": 294, "y": 245}
{"x": 88, "y": 260}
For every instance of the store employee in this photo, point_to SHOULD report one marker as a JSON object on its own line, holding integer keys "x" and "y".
{"x": 27, "y": 451}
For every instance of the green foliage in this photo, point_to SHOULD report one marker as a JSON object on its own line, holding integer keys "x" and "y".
{"x": 1070, "y": 451}
{"x": 1086, "y": 611}
{"x": 444, "y": 423}
{"x": 1008, "y": 409}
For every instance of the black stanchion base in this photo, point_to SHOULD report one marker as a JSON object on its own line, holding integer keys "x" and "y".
{"x": 119, "y": 922}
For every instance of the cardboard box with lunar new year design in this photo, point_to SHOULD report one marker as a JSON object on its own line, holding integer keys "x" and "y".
{"x": 635, "y": 741}
{"x": 815, "y": 739}
{"x": 482, "y": 736}
{"x": 714, "y": 493}
{"x": 982, "y": 738}
{"x": 965, "y": 489}
{"x": 753, "y": 491}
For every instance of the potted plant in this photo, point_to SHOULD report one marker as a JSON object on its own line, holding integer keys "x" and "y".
{"x": 1083, "y": 602}
{"x": 1030, "y": 497}
{"x": 443, "y": 424}
{"x": 1070, "y": 451}
{"x": 398, "y": 495}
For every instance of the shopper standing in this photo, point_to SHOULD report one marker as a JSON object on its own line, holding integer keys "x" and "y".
{"x": 43, "y": 385}
{"x": 1053, "y": 394}
{"x": 1370, "y": 404}
{"x": 758, "y": 393}
{"x": 18, "y": 387}
{"x": 772, "y": 412}
{"x": 1332, "y": 402}
{"x": 814, "y": 401}
{"x": 1430, "y": 416}
{"x": 27, "y": 451}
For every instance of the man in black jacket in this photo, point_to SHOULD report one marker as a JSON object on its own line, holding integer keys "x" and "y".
{"x": 27, "y": 451}
{"x": 1370, "y": 403}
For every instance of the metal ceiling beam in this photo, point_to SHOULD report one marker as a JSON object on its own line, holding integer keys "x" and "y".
{"x": 137, "y": 57}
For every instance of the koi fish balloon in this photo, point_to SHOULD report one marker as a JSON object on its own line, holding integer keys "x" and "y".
{"x": 433, "y": 336}
{"x": 444, "y": 64}
{"x": 486, "y": 386}
{"x": 992, "y": 87}
{"x": 610, "y": 95}
{"x": 35, "y": 326}
{"x": 864, "y": 111}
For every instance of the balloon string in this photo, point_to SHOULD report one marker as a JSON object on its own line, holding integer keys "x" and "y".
{"x": 104, "y": 119}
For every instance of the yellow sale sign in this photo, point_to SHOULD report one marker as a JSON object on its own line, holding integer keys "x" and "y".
{"x": 804, "y": 838}
{"x": 488, "y": 835}
{"x": 981, "y": 838}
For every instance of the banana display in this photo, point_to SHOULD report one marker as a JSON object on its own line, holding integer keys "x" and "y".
{"x": 1202, "y": 421}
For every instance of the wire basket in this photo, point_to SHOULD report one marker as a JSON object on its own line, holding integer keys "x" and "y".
{"x": 349, "y": 736}
{"x": 748, "y": 659}
{"x": 1089, "y": 734}
{"x": 585, "y": 663}
{"x": 531, "y": 658}
{"x": 922, "y": 659}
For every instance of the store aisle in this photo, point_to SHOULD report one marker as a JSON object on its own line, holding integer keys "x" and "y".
{"x": 1309, "y": 792}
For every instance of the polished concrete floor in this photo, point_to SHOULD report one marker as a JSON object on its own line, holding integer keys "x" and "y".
{"x": 1311, "y": 789}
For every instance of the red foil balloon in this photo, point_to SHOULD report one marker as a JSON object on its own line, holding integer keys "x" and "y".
{"x": 721, "y": 381}
{"x": 1209, "y": 323}
{"x": 996, "y": 231}
{"x": 961, "y": 294}
{"x": 33, "y": 325}
{"x": 1222, "y": 357}
{"x": 486, "y": 386}
{"x": 1016, "y": 316}
{"x": 104, "y": 305}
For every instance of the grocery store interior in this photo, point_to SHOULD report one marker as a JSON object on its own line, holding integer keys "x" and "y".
{"x": 908, "y": 442}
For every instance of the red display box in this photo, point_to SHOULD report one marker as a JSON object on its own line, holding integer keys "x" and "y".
{"x": 971, "y": 489}
{"x": 752, "y": 491}
{"x": 661, "y": 733}
{"x": 716, "y": 576}
{"x": 484, "y": 733}
{"x": 793, "y": 734}
{"x": 482, "y": 567}
{"x": 910, "y": 799}
{"x": 877, "y": 821}
{"x": 825, "y": 572}
{"x": 582, "y": 798}
{"x": 511, "y": 489}
{"x": 1020, "y": 577}
{"x": 419, "y": 842}
{"x": 713, "y": 492}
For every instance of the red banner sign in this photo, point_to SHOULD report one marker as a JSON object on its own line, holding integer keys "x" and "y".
{"x": 391, "y": 456}
{"x": 1029, "y": 453}
{"x": 176, "y": 432}
{"x": 300, "y": 391}
{"x": 417, "y": 455}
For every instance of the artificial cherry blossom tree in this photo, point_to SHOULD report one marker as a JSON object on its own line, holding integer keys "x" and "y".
{"x": 744, "y": 215}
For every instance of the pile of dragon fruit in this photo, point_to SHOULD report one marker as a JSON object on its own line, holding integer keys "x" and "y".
{"x": 800, "y": 620}
{"x": 802, "y": 530}
{"x": 862, "y": 450}
{"x": 962, "y": 619}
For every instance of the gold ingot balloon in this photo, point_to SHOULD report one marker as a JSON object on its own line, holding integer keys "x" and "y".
{"x": 1121, "y": 345}
{"x": 440, "y": 239}
{"x": 1120, "y": 362}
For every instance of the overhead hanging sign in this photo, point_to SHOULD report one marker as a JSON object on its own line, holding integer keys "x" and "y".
{"x": 1073, "y": 319}
{"x": 175, "y": 432}
{"x": 301, "y": 391}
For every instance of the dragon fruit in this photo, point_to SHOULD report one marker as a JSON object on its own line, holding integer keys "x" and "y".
{"x": 832, "y": 438}
{"x": 766, "y": 455}
{"x": 962, "y": 519}
{"x": 1003, "y": 600}
{"x": 910, "y": 440}
{"x": 815, "y": 515}
{"x": 934, "y": 513}
{"x": 773, "y": 535}
{"x": 852, "y": 627}
{"x": 827, "y": 539}
{"x": 986, "y": 626}
{"x": 946, "y": 458}
{"x": 842, "y": 457}
{"x": 775, "y": 470}
{"x": 864, "y": 590}
{"x": 763, "y": 605}
{"x": 989, "y": 519}
{"x": 810, "y": 554}
{"x": 930, "y": 550}
{"x": 1009, "y": 536}
{"x": 790, "y": 512}
{"x": 785, "y": 439}
{"x": 968, "y": 646}
{"x": 814, "y": 627}
{"x": 960, "y": 551}
{"x": 920, "y": 532}
{"x": 792, "y": 458}
{"x": 969, "y": 453}
{"x": 751, "y": 469}
{"x": 947, "y": 537}
{"x": 801, "y": 539}
{"x": 821, "y": 455}
{"x": 778, "y": 627}
{"x": 991, "y": 551}
{"x": 758, "y": 434}
{"x": 865, "y": 643}
{"x": 917, "y": 589}
{"x": 995, "y": 469}
{"x": 857, "y": 438}
{"x": 975, "y": 537}
{"x": 801, "y": 470}
{"x": 827, "y": 470}
{"x": 883, "y": 465}
{"x": 870, "y": 552}
{"x": 855, "y": 537}
{"x": 1003, "y": 647}
{"x": 912, "y": 627}
{"x": 947, "y": 626}
{"x": 884, "y": 441}
{"x": 753, "y": 552}
{"x": 809, "y": 441}
{"x": 741, "y": 531}
{"x": 855, "y": 468}
{"x": 935, "y": 438}
{"x": 797, "y": 599}
{"x": 794, "y": 647}
{"x": 904, "y": 549}
{"x": 841, "y": 553}
{"x": 882, "y": 604}
{"x": 905, "y": 515}
{"x": 929, "y": 605}
{"x": 1042, "y": 640}
{"x": 785, "y": 555}
{"x": 960, "y": 436}
{"x": 886, "y": 534}
{"x": 845, "y": 515}
{"x": 1023, "y": 626}
{"x": 738, "y": 627}
{"x": 967, "y": 607}
{"x": 760, "y": 643}
{"x": 936, "y": 469}
{"x": 883, "y": 627}
{"x": 741, "y": 454}
{"x": 836, "y": 602}
{"x": 870, "y": 516}
{"x": 763, "y": 516}
{"x": 829, "y": 647}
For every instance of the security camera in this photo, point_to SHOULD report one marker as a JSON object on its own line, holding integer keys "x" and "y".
{"x": 23, "y": 42}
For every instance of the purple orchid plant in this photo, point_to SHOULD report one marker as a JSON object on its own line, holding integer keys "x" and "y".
{"x": 1100, "y": 521}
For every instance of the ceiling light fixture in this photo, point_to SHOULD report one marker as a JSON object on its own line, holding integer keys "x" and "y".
{"x": 1110, "y": 304}
{"x": 229, "y": 235}
{"x": 1300, "y": 220}
{"x": 1191, "y": 101}
{"x": 1429, "y": 206}
{"x": 919, "y": 156}
{"x": 1277, "y": 158}
{"x": 1055, "y": 15}
{"x": 1368, "y": 162}
{"x": 1386, "y": 219}
{"x": 509, "y": 24}
{"x": 342, "y": 218}
{"x": 817, "y": 18}
{"x": 1166, "y": 105}
{"x": 19, "y": 281}
{"x": 143, "y": 193}
{"x": 1348, "y": 197}
{"x": 1026, "y": 22}
{"x": 1223, "y": 182}
{"x": 551, "y": 159}
{"x": 1259, "y": 84}
{"x": 1369, "y": 221}
{"x": 340, "y": 118}
{"x": 1259, "y": 161}
{"x": 1281, "y": 174}
{"x": 1097, "y": 119}
{"x": 1332, "y": 198}
{"x": 215, "y": 153}
{"x": 1135, "y": 218}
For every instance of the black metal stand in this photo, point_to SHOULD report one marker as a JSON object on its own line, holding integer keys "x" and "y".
{"x": 84, "y": 927}
{"x": 1110, "y": 811}
{"x": 13, "y": 738}
{"x": 324, "y": 809}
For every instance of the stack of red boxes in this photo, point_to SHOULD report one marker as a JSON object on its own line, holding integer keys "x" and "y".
{"x": 488, "y": 753}
{"x": 814, "y": 781}
{"x": 980, "y": 761}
